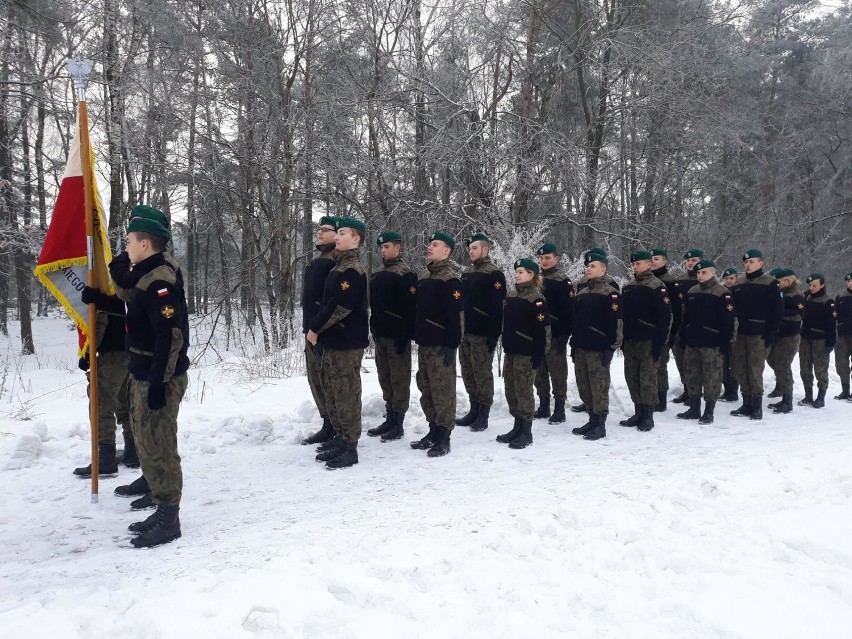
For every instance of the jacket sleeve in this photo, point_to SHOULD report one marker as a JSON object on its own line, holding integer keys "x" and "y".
{"x": 541, "y": 324}
{"x": 729, "y": 317}
{"x": 165, "y": 312}
{"x": 831, "y": 324}
{"x": 409, "y": 308}
{"x": 567, "y": 318}
{"x": 663, "y": 312}
{"x": 775, "y": 310}
{"x": 498, "y": 296}
{"x": 453, "y": 312}
{"x": 678, "y": 306}
{"x": 614, "y": 327}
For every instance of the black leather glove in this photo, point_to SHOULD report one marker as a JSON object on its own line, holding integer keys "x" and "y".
{"x": 828, "y": 349}
{"x": 537, "y": 361}
{"x": 672, "y": 340}
{"x": 449, "y": 356}
{"x": 491, "y": 342}
{"x": 606, "y": 357}
{"x": 83, "y": 364}
{"x": 769, "y": 340}
{"x": 656, "y": 351}
{"x": 399, "y": 346}
{"x": 90, "y": 295}
{"x": 156, "y": 396}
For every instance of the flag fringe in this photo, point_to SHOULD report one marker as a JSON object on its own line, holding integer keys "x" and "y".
{"x": 41, "y": 271}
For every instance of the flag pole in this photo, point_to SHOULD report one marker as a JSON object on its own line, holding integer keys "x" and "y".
{"x": 80, "y": 71}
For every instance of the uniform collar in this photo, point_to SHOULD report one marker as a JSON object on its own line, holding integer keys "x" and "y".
{"x": 482, "y": 261}
{"x": 709, "y": 283}
{"x": 437, "y": 265}
{"x": 819, "y": 293}
{"x": 149, "y": 264}
{"x": 549, "y": 271}
{"x": 660, "y": 271}
{"x": 755, "y": 275}
{"x": 644, "y": 276}
{"x": 392, "y": 262}
{"x": 346, "y": 256}
{"x": 325, "y": 249}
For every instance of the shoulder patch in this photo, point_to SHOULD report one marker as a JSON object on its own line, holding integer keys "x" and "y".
{"x": 540, "y": 317}
{"x": 730, "y": 307}
{"x": 162, "y": 292}
{"x": 498, "y": 285}
{"x": 167, "y": 311}
{"x": 412, "y": 289}
{"x": 539, "y": 303}
{"x": 457, "y": 294}
{"x": 344, "y": 285}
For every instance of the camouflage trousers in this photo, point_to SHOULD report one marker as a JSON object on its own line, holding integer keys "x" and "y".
{"x": 156, "y": 439}
{"x": 640, "y": 371}
{"x": 554, "y": 369}
{"x": 814, "y": 361}
{"x": 679, "y": 353}
{"x": 437, "y": 384}
{"x": 749, "y": 361}
{"x": 518, "y": 378}
{"x": 476, "y": 359}
{"x": 341, "y": 381}
{"x": 663, "y": 372}
{"x": 394, "y": 371}
{"x": 592, "y": 380}
{"x": 842, "y": 354}
{"x": 780, "y": 360}
{"x": 112, "y": 396}
{"x": 312, "y": 365}
{"x": 703, "y": 372}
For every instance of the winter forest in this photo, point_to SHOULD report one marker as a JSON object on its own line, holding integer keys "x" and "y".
{"x": 616, "y": 123}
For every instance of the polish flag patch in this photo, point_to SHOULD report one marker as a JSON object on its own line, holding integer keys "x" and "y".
{"x": 539, "y": 304}
{"x": 163, "y": 292}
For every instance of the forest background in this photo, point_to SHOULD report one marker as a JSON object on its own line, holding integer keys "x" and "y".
{"x": 616, "y": 123}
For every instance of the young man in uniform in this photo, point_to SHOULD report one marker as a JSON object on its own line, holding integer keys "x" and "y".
{"x": 729, "y": 380}
{"x": 595, "y": 337}
{"x": 338, "y": 332}
{"x": 313, "y": 285}
{"x": 843, "y": 352}
{"x": 819, "y": 334}
{"x": 783, "y": 351}
{"x": 438, "y": 333}
{"x": 559, "y": 293}
{"x": 660, "y": 269}
{"x": 393, "y": 308}
{"x": 484, "y": 288}
{"x": 646, "y": 312}
{"x": 757, "y": 298}
{"x": 682, "y": 286}
{"x": 157, "y": 341}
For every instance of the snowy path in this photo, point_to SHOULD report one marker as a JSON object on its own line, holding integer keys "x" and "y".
{"x": 738, "y": 529}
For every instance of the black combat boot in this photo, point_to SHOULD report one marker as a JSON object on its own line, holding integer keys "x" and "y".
{"x": 146, "y": 524}
{"x": 331, "y": 442}
{"x": 647, "y": 421}
{"x": 143, "y": 503}
{"x": 471, "y": 416}
{"x": 481, "y": 421}
{"x": 785, "y": 405}
{"x": 505, "y": 438}
{"x": 579, "y": 408}
{"x": 819, "y": 402}
{"x": 808, "y": 399}
{"x": 707, "y": 417}
{"x": 397, "y": 432}
{"x": 683, "y": 398}
{"x": 384, "y": 427}
{"x": 844, "y": 394}
{"x": 585, "y": 428}
{"x": 130, "y": 457}
{"x": 543, "y": 410}
{"x": 745, "y": 409}
{"x": 442, "y": 443}
{"x": 598, "y": 430}
{"x": 638, "y": 411}
{"x": 166, "y": 529}
{"x": 106, "y": 463}
{"x": 756, "y": 407}
{"x": 349, "y": 457}
{"x": 661, "y": 402}
{"x": 558, "y": 412}
{"x": 524, "y": 437}
{"x": 730, "y": 394}
{"x": 776, "y": 392}
{"x": 136, "y": 488}
{"x": 429, "y": 440}
{"x": 694, "y": 411}
{"x": 322, "y": 435}
{"x": 332, "y": 451}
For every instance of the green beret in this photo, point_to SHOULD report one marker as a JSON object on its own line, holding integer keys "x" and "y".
{"x": 595, "y": 251}
{"x": 528, "y": 263}
{"x": 704, "y": 264}
{"x": 443, "y": 237}
{"x": 591, "y": 256}
{"x": 147, "y": 225}
{"x": 477, "y": 237}
{"x": 329, "y": 220}
{"x": 693, "y": 252}
{"x": 660, "y": 251}
{"x": 815, "y": 276}
{"x": 752, "y": 253}
{"x": 640, "y": 255}
{"x": 546, "y": 248}
{"x": 848, "y": 277}
{"x": 388, "y": 236}
{"x": 350, "y": 223}
{"x": 150, "y": 213}
{"x": 729, "y": 271}
{"x": 782, "y": 272}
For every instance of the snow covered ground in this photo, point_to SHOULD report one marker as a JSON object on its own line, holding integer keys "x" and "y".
{"x": 738, "y": 529}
